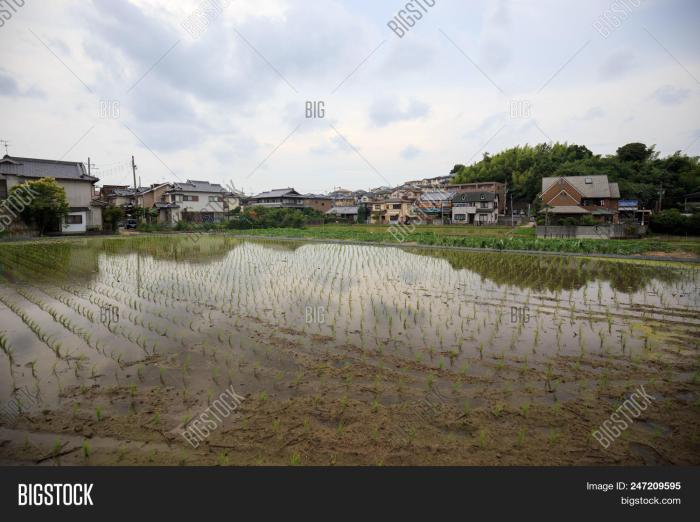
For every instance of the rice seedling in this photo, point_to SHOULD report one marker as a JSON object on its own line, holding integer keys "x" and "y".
{"x": 483, "y": 438}
{"x": 525, "y": 409}
{"x": 86, "y": 449}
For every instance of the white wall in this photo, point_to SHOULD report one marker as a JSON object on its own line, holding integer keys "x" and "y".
{"x": 78, "y": 228}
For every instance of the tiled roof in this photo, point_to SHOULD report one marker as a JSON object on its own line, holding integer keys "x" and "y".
{"x": 278, "y": 193}
{"x": 42, "y": 168}
{"x": 597, "y": 187}
{"x": 197, "y": 186}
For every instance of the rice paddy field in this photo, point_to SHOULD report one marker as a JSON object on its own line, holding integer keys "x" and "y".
{"x": 343, "y": 354}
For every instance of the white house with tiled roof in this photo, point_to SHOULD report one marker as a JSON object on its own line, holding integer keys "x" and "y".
{"x": 85, "y": 211}
{"x": 199, "y": 201}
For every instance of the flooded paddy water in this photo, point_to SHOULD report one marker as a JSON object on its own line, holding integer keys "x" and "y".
{"x": 344, "y": 354}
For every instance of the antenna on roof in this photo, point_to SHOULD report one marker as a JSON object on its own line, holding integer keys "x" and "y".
{"x": 5, "y": 143}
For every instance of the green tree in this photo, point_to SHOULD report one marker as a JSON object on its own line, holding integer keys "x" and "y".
{"x": 111, "y": 216}
{"x": 47, "y": 207}
{"x": 636, "y": 152}
{"x": 637, "y": 169}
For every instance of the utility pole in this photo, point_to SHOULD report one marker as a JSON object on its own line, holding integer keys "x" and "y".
{"x": 512, "y": 218}
{"x": 91, "y": 167}
{"x": 661, "y": 195}
{"x": 5, "y": 143}
{"x": 133, "y": 170}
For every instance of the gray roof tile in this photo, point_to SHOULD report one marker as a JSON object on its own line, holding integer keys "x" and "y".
{"x": 41, "y": 168}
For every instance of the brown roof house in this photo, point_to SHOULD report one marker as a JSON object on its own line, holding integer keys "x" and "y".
{"x": 578, "y": 196}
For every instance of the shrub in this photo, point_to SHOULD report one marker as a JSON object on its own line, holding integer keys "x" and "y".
{"x": 671, "y": 221}
{"x": 45, "y": 206}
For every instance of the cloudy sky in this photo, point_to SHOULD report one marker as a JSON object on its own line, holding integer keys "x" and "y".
{"x": 226, "y": 101}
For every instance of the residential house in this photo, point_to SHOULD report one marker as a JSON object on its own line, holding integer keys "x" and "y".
{"x": 392, "y": 211}
{"x": 380, "y": 193}
{"x": 198, "y": 202}
{"x": 475, "y": 208}
{"x": 85, "y": 212}
{"x": 495, "y": 187}
{"x": 348, "y": 214}
{"x": 318, "y": 202}
{"x": 578, "y": 196}
{"x": 361, "y": 196}
{"x": 405, "y": 192}
{"x": 434, "y": 206}
{"x": 342, "y": 198}
{"x": 630, "y": 211}
{"x": 430, "y": 183}
{"x": 278, "y": 198}
{"x": 126, "y": 198}
{"x": 158, "y": 197}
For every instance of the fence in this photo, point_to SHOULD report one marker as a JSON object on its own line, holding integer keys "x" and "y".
{"x": 620, "y": 231}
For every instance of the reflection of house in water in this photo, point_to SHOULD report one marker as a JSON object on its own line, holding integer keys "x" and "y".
{"x": 190, "y": 248}
{"x": 77, "y": 261}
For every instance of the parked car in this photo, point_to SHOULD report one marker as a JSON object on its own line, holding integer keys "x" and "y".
{"x": 131, "y": 223}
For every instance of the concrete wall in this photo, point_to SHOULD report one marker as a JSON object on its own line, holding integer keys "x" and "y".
{"x": 599, "y": 232}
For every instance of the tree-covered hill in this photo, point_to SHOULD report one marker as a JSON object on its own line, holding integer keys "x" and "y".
{"x": 637, "y": 168}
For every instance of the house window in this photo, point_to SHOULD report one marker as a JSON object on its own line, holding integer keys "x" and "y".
{"x": 3, "y": 188}
{"x": 74, "y": 219}
{"x": 190, "y": 198}
{"x": 396, "y": 207}
{"x": 213, "y": 199}
{"x": 460, "y": 217}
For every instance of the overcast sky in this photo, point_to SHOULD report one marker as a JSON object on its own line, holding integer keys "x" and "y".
{"x": 226, "y": 104}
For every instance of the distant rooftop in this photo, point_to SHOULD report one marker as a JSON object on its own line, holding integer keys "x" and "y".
{"x": 278, "y": 193}
{"x": 192, "y": 185}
